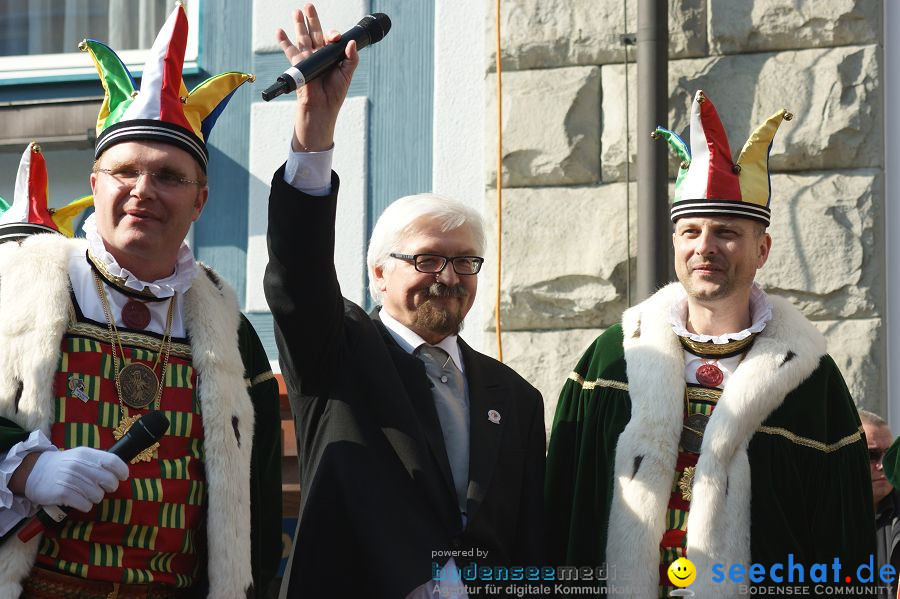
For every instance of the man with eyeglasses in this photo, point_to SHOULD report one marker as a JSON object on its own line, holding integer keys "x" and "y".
{"x": 886, "y": 498}
{"x": 97, "y": 332}
{"x": 417, "y": 452}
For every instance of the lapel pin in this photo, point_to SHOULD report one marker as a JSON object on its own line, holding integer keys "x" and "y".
{"x": 494, "y": 416}
{"x": 76, "y": 386}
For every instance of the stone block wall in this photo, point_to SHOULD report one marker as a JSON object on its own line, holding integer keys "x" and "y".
{"x": 565, "y": 257}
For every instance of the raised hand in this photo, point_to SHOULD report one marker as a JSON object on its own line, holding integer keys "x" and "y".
{"x": 320, "y": 100}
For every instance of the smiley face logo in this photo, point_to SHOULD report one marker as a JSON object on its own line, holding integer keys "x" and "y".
{"x": 682, "y": 572}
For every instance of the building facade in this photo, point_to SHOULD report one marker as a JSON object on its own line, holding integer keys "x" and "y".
{"x": 422, "y": 116}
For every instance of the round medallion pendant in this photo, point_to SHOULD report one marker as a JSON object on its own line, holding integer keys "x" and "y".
{"x": 139, "y": 385}
{"x": 692, "y": 432}
{"x": 136, "y": 315}
{"x": 709, "y": 375}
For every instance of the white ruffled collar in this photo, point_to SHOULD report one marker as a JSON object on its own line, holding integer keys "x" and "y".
{"x": 760, "y": 314}
{"x": 178, "y": 282}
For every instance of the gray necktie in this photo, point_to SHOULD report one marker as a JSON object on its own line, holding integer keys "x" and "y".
{"x": 452, "y": 404}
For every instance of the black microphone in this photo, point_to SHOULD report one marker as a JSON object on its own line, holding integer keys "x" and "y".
{"x": 371, "y": 28}
{"x": 146, "y": 431}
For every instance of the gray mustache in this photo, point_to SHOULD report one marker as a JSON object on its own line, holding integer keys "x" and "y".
{"x": 441, "y": 290}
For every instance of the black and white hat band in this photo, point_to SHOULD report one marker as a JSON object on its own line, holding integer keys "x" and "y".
{"x": 721, "y": 208}
{"x": 153, "y": 130}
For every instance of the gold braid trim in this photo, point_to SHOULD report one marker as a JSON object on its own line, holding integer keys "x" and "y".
{"x": 92, "y": 331}
{"x": 589, "y": 385}
{"x": 702, "y": 394}
{"x": 260, "y": 378}
{"x": 713, "y": 395}
{"x": 709, "y": 348}
{"x": 812, "y": 444}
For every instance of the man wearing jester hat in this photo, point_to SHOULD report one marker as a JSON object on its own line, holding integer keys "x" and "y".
{"x": 95, "y": 333}
{"x": 711, "y": 423}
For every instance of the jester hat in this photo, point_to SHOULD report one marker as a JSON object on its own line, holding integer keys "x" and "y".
{"x": 162, "y": 110}
{"x": 708, "y": 181}
{"x": 29, "y": 213}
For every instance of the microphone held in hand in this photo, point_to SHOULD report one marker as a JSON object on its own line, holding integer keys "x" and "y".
{"x": 371, "y": 29}
{"x": 146, "y": 431}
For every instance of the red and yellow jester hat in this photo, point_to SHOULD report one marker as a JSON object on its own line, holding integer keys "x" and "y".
{"x": 29, "y": 212}
{"x": 162, "y": 110}
{"x": 709, "y": 182}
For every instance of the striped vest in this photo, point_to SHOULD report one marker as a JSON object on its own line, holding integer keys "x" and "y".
{"x": 673, "y": 545}
{"x": 151, "y": 528}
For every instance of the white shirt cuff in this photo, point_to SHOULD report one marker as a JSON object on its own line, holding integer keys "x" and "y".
{"x": 309, "y": 172}
{"x": 36, "y": 442}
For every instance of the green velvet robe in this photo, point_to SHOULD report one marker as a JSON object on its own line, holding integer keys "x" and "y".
{"x": 10, "y": 434}
{"x": 808, "y": 481}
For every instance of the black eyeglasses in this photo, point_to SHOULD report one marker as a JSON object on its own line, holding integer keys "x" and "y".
{"x": 435, "y": 263}
{"x": 876, "y": 455}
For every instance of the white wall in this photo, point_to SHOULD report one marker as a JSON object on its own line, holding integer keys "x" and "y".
{"x": 271, "y": 125}
{"x": 459, "y": 107}
{"x": 270, "y": 132}
{"x": 272, "y": 14}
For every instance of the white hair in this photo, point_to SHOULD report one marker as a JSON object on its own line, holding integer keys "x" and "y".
{"x": 871, "y": 418}
{"x": 400, "y": 219}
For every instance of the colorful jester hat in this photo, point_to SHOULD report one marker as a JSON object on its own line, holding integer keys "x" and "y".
{"x": 29, "y": 213}
{"x": 708, "y": 182}
{"x": 162, "y": 110}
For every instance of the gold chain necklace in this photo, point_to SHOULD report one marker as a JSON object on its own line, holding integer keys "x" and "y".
{"x": 140, "y": 381}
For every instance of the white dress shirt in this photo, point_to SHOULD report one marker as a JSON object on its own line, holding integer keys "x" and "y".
{"x": 760, "y": 314}
{"x": 410, "y": 340}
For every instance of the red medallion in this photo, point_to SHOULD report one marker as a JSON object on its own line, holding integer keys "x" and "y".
{"x": 709, "y": 375}
{"x": 136, "y": 315}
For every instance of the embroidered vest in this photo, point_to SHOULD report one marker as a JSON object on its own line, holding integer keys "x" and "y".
{"x": 151, "y": 529}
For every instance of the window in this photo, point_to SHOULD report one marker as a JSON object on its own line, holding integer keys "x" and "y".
{"x": 39, "y": 38}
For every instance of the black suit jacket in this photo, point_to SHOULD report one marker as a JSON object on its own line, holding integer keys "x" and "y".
{"x": 378, "y": 503}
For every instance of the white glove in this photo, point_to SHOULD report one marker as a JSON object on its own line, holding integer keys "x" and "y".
{"x": 77, "y": 477}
